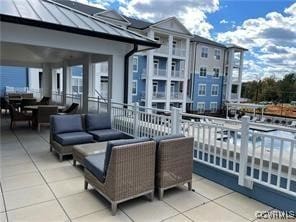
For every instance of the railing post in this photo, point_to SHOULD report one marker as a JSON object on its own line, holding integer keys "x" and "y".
{"x": 136, "y": 119}
{"x": 176, "y": 120}
{"x": 243, "y": 162}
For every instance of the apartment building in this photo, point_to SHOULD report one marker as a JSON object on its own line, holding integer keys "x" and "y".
{"x": 215, "y": 75}
{"x": 160, "y": 76}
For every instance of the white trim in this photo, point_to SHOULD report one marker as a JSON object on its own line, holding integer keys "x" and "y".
{"x": 215, "y": 54}
{"x": 135, "y": 81}
{"x": 198, "y": 91}
{"x": 212, "y": 89}
{"x": 216, "y": 107}
{"x": 216, "y": 77}
{"x": 137, "y": 63}
{"x": 202, "y": 67}
{"x": 204, "y": 107}
{"x": 201, "y": 53}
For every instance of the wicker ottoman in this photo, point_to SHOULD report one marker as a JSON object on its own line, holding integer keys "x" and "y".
{"x": 83, "y": 150}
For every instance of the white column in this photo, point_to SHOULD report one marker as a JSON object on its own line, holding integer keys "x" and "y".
{"x": 241, "y": 66}
{"x": 47, "y": 80}
{"x": 186, "y": 75}
{"x": 54, "y": 80}
{"x": 130, "y": 80}
{"x": 67, "y": 81}
{"x": 116, "y": 68}
{"x": 169, "y": 73}
{"x": 86, "y": 78}
{"x": 229, "y": 76}
{"x": 149, "y": 76}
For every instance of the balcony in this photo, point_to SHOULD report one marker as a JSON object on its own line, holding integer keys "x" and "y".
{"x": 180, "y": 52}
{"x": 179, "y": 74}
{"x": 157, "y": 73}
{"x": 164, "y": 49}
{"x": 155, "y": 95}
{"x": 176, "y": 96}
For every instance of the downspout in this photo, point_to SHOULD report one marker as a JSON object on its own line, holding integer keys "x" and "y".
{"x": 126, "y": 73}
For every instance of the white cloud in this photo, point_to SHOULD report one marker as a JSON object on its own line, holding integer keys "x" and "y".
{"x": 192, "y": 13}
{"x": 223, "y": 21}
{"x": 271, "y": 41}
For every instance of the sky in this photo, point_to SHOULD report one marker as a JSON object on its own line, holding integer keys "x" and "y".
{"x": 267, "y": 28}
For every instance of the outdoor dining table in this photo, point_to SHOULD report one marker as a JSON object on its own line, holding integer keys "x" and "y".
{"x": 34, "y": 109}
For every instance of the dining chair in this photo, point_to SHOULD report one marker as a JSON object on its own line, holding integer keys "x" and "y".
{"x": 44, "y": 113}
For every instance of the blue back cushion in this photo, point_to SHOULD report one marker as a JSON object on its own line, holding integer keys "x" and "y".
{"x": 113, "y": 143}
{"x": 98, "y": 122}
{"x": 157, "y": 139}
{"x": 66, "y": 123}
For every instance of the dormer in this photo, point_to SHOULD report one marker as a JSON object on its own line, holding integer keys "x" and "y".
{"x": 113, "y": 17}
{"x": 171, "y": 25}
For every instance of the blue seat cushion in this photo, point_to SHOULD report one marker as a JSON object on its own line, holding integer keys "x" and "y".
{"x": 108, "y": 134}
{"x": 98, "y": 121}
{"x": 95, "y": 164}
{"x": 157, "y": 139}
{"x": 73, "y": 138}
{"x": 66, "y": 123}
{"x": 122, "y": 142}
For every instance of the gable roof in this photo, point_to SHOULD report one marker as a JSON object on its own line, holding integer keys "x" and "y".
{"x": 52, "y": 15}
{"x": 171, "y": 21}
{"x": 113, "y": 15}
{"x": 197, "y": 38}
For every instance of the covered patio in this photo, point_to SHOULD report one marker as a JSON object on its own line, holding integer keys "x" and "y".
{"x": 250, "y": 106}
{"x": 55, "y": 36}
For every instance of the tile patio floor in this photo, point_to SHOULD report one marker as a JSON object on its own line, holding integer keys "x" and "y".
{"x": 35, "y": 186}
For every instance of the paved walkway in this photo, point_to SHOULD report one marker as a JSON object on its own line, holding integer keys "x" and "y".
{"x": 35, "y": 186}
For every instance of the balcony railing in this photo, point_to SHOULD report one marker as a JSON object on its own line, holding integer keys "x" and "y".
{"x": 176, "y": 95}
{"x": 160, "y": 72}
{"x": 179, "y": 52}
{"x": 156, "y": 73}
{"x": 155, "y": 95}
{"x": 234, "y": 96}
{"x": 164, "y": 49}
{"x": 178, "y": 74}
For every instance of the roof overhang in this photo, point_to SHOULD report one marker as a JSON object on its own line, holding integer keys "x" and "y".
{"x": 57, "y": 27}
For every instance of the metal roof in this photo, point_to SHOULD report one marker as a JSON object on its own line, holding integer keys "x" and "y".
{"x": 197, "y": 38}
{"x": 52, "y": 15}
{"x": 91, "y": 10}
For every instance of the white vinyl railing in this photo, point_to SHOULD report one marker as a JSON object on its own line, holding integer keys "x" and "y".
{"x": 177, "y": 73}
{"x": 140, "y": 122}
{"x": 57, "y": 97}
{"x": 245, "y": 149}
{"x": 164, "y": 49}
{"x": 255, "y": 152}
{"x": 179, "y": 52}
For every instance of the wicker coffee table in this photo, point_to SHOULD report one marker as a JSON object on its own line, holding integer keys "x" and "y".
{"x": 84, "y": 150}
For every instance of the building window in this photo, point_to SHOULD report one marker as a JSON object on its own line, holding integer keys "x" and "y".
{"x": 58, "y": 81}
{"x": 201, "y": 107}
{"x": 217, "y": 54}
{"x": 214, "y": 90}
{"x": 77, "y": 85}
{"x": 135, "y": 63}
{"x": 134, "y": 88}
{"x": 204, "y": 52}
{"x": 203, "y": 72}
{"x": 213, "y": 107}
{"x": 202, "y": 89}
{"x": 216, "y": 72}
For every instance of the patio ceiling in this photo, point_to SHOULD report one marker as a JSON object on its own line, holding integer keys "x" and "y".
{"x": 51, "y": 15}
